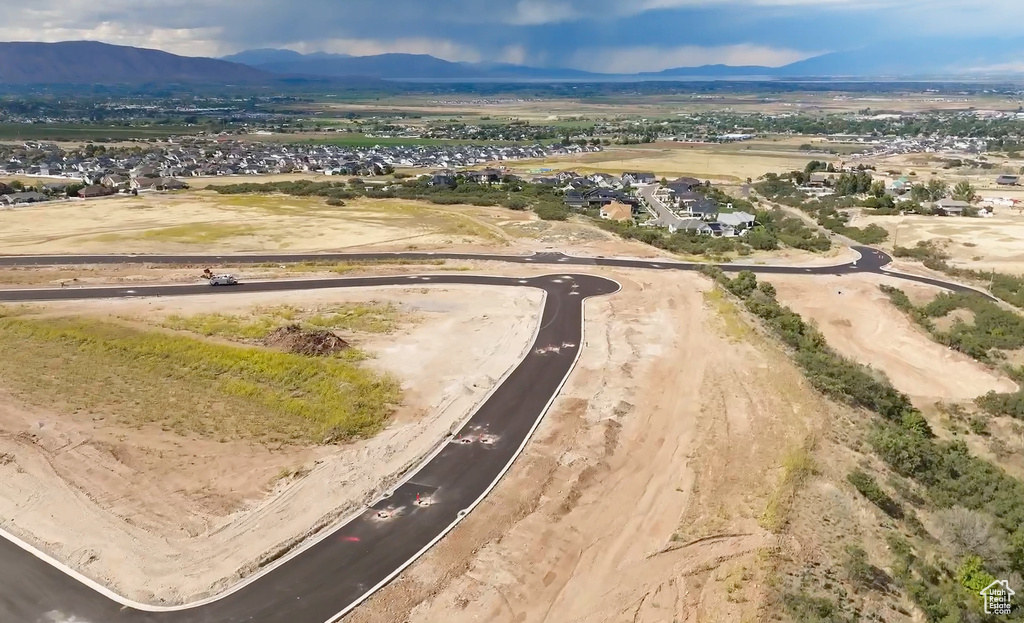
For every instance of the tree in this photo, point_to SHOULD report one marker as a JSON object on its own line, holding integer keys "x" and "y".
{"x": 919, "y": 193}
{"x": 878, "y": 189}
{"x": 17, "y": 185}
{"x": 963, "y": 191}
{"x": 937, "y": 189}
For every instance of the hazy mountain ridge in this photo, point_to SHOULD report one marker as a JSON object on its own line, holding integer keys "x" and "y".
{"x": 921, "y": 57}
{"x": 90, "y": 62}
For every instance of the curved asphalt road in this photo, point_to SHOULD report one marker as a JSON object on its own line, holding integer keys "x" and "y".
{"x": 326, "y": 579}
{"x": 871, "y": 261}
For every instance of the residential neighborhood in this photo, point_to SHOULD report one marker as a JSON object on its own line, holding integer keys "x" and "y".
{"x": 113, "y": 167}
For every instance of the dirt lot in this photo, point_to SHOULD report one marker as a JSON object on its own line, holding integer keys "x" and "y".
{"x": 981, "y": 244}
{"x": 641, "y": 497}
{"x": 858, "y": 321}
{"x": 160, "y": 517}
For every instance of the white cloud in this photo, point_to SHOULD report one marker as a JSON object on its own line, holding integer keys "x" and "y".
{"x": 651, "y": 58}
{"x": 441, "y": 48}
{"x": 534, "y": 12}
{"x": 184, "y": 41}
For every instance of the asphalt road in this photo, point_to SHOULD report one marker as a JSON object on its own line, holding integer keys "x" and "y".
{"x": 327, "y": 578}
{"x": 871, "y": 261}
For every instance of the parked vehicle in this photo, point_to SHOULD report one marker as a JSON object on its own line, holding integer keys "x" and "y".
{"x": 223, "y": 280}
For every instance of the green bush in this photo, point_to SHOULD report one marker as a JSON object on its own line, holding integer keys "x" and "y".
{"x": 868, "y": 487}
{"x": 552, "y": 211}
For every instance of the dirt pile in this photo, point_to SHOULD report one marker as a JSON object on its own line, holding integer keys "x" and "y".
{"x": 299, "y": 341}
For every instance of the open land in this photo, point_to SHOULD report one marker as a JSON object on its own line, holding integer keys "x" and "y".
{"x": 981, "y": 244}
{"x": 662, "y": 486}
{"x": 166, "y": 511}
{"x": 858, "y": 320}
{"x": 731, "y": 162}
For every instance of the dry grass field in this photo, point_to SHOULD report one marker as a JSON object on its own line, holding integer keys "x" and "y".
{"x": 730, "y": 163}
{"x": 194, "y": 221}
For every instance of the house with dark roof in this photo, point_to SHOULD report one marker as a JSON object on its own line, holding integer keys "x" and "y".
{"x": 96, "y": 190}
{"x": 684, "y": 184}
{"x": 24, "y": 197}
{"x": 574, "y": 200}
{"x": 1007, "y": 180}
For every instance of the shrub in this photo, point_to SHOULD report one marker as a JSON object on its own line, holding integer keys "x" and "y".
{"x": 552, "y": 211}
{"x": 868, "y": 487}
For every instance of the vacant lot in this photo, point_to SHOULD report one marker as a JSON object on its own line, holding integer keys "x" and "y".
{"x": 163, "y": 515}
{"x": 860, "y": 322}
{"x": 196, "y": 221}
{"x": 727, "y": 162}
{"x": 982, "y": 244}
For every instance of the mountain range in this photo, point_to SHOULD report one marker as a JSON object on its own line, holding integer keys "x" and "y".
{"x": 90, "y": 62}
{"x": 922, "y": 57}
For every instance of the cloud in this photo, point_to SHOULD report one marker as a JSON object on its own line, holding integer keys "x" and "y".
{"x": 534, "y": 12}
{"x": 184, "y": 41}
{"x": 651, "y": 58}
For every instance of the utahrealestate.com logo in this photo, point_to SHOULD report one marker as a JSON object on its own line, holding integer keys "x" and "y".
{"x": 998, "y": 597}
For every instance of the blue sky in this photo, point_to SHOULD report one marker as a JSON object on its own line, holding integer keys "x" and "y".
{"x": 597, "y": 35}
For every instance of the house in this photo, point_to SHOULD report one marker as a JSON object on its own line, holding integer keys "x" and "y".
{"x": 597, "y": 197}
{"x": 694, "y": 225}
{"x": 684, "y": 184}
{"x": 696, "y": 204}
{"x": 574, "y": 200}
{"x": 820, "y": 180}
{"x": 951, "y": 207}
{"x": 720, "y": 230}
{"x": 635, "y": 178}
{"x": 169, "y": 183}
{"x": 616, "y": 211}
{"x": 144, "y": 183}
{"x": 442, "y": 178}
{"x": 1007, "y": 180}
{"x": 484, "y": 176}
{"x": 114, "y": 181}
{"x": 96, "y": 190}
{"x": 737, "y": 220}
{"x": 25, "y": 197}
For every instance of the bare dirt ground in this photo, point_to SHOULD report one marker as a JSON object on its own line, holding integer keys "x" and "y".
{"x": 641, "y": 497}
{"x": 858, "y": 320}
{"x": 162, "y": 518}
{"x": 978, "y": 243}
